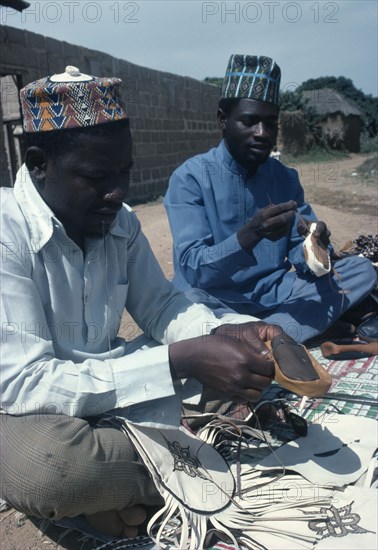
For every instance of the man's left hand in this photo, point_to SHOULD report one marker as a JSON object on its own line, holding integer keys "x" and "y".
{"x": 321, "y": 233}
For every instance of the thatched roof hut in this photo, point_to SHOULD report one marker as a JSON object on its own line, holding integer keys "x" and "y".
{"x": 292, "y": 135}
{"x": 341, "y": 118}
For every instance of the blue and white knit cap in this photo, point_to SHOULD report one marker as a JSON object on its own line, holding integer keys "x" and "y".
{"x": 252, "y": 77}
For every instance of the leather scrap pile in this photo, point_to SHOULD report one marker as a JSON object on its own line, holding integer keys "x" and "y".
{"x": 367, "y": 245}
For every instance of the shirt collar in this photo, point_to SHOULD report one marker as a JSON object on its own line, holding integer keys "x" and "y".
{"x": 228, "y": 160}
{"x": 38, "y": 215}
{"x": 40, "y": 218}
{"x": 117, "y": 230}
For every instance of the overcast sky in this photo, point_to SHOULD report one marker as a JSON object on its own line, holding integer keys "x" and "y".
{"x": 195, "y": 38}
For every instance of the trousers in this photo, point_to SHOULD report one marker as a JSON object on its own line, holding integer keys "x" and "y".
{"x": 55, "y": 466}
{"x": 315, "y": 303}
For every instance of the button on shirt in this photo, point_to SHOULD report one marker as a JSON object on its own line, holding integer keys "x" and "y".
{"x": 210, "y": 197}
{"x": 61, "y": 309}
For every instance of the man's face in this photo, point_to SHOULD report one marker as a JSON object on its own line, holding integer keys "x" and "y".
{"x": 250, "y": 131}
{"x": 85, "y": 188}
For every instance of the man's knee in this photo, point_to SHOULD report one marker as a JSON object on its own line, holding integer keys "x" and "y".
{"x": 57, "y": 467}
{"x": 358, "y": 270}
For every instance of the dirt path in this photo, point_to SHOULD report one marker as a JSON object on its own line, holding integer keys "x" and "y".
{"x": 346, "y": 203}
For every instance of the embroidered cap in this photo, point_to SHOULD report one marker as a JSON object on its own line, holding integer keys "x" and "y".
{"x": 71, "y": 100}
{"x": 252, "y": 77}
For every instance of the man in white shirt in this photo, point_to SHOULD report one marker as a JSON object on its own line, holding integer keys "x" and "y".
{"x": 73, "y": 257}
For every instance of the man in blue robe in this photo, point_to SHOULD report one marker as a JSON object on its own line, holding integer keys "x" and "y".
{"x": 239, "y": 218}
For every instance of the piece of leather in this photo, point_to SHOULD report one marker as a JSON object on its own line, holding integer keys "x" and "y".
{"x": 311, "y": 388}
{"x": 294, "y": 362}
{"x": 316, "y": 254}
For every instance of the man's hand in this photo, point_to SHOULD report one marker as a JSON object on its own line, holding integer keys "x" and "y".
{"x": 234, "y": 361}
{"x": 321, "y": 233}
{"x": 236, "y": 369}
{"x": 272, "y": 222}
{"x": 254, "y": 333}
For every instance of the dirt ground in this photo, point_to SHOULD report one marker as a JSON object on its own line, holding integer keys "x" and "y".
{"x": 346, "y": 202}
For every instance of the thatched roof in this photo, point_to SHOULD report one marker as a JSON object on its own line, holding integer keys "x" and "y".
{"x": 327, "y": 101}
{"x": 18, "y": 5}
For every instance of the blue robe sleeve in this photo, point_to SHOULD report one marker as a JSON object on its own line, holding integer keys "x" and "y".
{"x": 202, "y": 262}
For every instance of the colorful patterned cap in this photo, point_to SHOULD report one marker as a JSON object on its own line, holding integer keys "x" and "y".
{"x": 71, "y": 100}
{"x": 252, "y": 77}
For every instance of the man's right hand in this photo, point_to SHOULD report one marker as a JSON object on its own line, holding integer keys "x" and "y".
{"x": 231, "y": 368}
{"x": 272, "y": 222}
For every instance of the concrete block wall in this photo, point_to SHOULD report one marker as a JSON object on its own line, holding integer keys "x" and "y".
{"x": 172, "y": 117}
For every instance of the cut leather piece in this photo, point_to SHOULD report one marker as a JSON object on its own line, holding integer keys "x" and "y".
{"x": 347, "y": 356}
{"x": 179, "y": 457}
{"x": 293, "y": 361}
{"x": 336, "y": 451}
{"x": 205, "y": 494}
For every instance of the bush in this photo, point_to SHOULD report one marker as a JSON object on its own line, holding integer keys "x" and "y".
{"x": 368, "y": 144}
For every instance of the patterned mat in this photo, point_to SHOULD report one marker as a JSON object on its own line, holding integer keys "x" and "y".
{"x": 354, "y": 389}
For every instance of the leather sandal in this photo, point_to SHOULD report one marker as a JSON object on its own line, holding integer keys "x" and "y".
{"x": 295, "y": 368}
